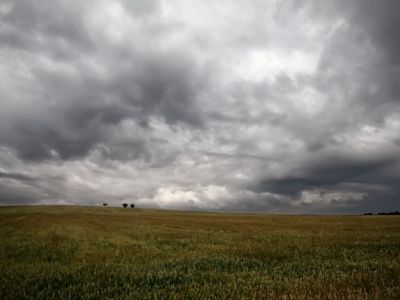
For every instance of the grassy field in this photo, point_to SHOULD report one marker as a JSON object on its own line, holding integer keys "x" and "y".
{"x": 103, "y": 252}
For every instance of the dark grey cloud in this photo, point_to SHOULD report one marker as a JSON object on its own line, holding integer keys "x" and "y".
{"x": 380, "y": 23}
{"x": 70, "y": 108}
{"x": 176, "y": 106}
{"x": 14, "y": 195}
{"x": 332, "y": 172}
{"x": 16, "y": 176}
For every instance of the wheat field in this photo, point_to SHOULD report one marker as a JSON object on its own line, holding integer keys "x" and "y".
{"x": 71, "y": 252}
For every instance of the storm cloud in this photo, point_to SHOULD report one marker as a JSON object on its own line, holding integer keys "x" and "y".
{"x": 278, "y": 106}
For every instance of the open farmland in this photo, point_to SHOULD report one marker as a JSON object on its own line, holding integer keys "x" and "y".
{"x": 96, "y": 252}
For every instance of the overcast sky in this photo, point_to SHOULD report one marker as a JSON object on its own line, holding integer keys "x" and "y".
{"x": 273, "y": 106}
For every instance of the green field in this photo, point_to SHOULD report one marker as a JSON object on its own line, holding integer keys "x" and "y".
{"x": 103, "y": 252}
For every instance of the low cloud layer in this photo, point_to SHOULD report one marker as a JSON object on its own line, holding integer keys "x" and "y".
{"x": 219, "y": 105}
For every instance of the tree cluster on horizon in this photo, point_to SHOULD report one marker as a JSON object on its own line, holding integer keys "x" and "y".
{"x": 390, "y": 213}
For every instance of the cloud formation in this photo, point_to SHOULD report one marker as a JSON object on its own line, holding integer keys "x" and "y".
{"x": 280, "y": 106}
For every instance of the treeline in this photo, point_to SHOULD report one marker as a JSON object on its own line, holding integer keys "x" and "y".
{"x": 124, "y": 205}
{"x": 390, "y": 213}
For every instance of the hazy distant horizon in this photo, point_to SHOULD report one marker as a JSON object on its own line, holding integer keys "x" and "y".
{"x": 200, "y": 211}
{"x": 263, "y": 106}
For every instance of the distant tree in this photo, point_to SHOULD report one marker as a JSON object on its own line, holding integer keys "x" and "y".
{"x": 132, "y": 205}
{"x": 384, "y": 213}
{"x": 125, "y": 205}
{"x": 105, "y": 204}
